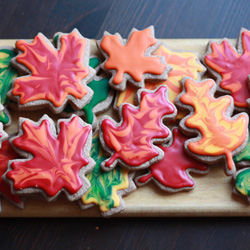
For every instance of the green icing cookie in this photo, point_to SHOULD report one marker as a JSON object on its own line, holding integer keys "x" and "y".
{"x": 105, "y": 185}
{"x": 244, "y": 156}
{"x": 7, "y": 74}
{"x": 242, "y": 182}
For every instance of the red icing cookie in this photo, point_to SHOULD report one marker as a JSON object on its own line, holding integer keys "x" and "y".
{"x": 7, "y": 153}
{"x": 231, "y": 67}
{"x": 172, "y": 172}
{"x": 131, "y": 141}
{"x": 56, "y": 76}
{"x": 132, "y": 61}
{"x": 53, "y": 163}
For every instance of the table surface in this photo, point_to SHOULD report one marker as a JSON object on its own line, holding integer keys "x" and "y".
{"x": 172, "y": 19}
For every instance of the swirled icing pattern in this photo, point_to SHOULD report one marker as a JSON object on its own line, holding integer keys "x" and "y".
{"x": 7, "y": 153}
{"x": 99, "y": 96}
{"x": 132, "y": 140}
{"x": 104, "y": 185}
{"x": 171, "y": 170}
{"x": 7, "y": 74}
{"x": 56, "y": 162}
{"x": 242, "y": 182}
{"x": 234, "y": 68}
{"x": 244, "y": 155}
{"x": 183, "y": 64}
{"x": 55, "y": 74}
{"x": 220, "y": 133}
{"x": 130, "y": 58}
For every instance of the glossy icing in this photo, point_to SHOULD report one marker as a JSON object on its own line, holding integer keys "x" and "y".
{"x": 233, "y": 67}
{"x": 183, "y": 64}
{"x": 242, "y": 182}
{"x": 130, "y": 58}
{"x": 7, "y": 74}
{"x": 244, "y": 155}
{"x": 55, "y": 74}
{"x": 131, "y": 141}
{"x": 55, "y": 162}
{"x": 7, "y": 153}
{"x": 97, "y": 84}
{"x": 104, "y": 185}
{"x": 171, "y": 171}
{"x": 220, "y": 134}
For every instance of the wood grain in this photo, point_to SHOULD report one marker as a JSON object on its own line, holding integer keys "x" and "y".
{"x": 211, "y": 197}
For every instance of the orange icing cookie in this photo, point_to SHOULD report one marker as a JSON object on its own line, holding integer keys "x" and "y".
{"x": 220, "y": 136}
{"x": 132, "y": 61}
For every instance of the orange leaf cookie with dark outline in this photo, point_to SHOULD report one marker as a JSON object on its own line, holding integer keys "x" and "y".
{"x": 132, "y": 61}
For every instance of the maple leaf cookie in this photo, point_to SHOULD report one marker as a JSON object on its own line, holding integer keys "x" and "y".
{"x": 131, "y": 141}
{"x": 219, "y": 136}
{"x": 132, "y": 61}
{"x": 56, "y": 76}
{"x": 230, "y": 66}
{"x": 53, "y": 161}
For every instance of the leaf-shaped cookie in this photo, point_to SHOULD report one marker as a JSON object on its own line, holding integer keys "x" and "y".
{"x": 53, "y": 163}
{"x": 7, "y": 74}
{"x": 242, "y": 183}
{"x": 172, "y": 172}
{"x": 183, "y": 64}
{"x": 130, "y": 142}
{"x": 132, "y": 61}
{"x": 219, "y": 136}
{"x": 231, "y": 67}
{"x": 102, "y": 97}
{"x": 56, "y": 76}
{"x": 7, "y": 153}
{"x": 107, "y": 188}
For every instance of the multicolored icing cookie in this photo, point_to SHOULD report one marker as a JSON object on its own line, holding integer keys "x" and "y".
{"x": 231, "y": 67}
{"x": 107, "y": 188}
{"x": 55, "y": 160}
{"x": 133, "y": 61}
{"x": 102, "y": 97}
{"x": 171, "y": 174}
{"x": 242, "y": 184}
{"x": 3, "y": 134}
{"x": 56, "y": 76}
{"x": 7, "y": 153}
{"x": 131, "y": 141}
{"x": 7, "y": 74}
{"x": 183, "y": 63}
{"x": 219, "y": 136}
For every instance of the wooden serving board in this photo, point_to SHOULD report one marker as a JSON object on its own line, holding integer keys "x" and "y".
{"x": 212, "y": 195}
